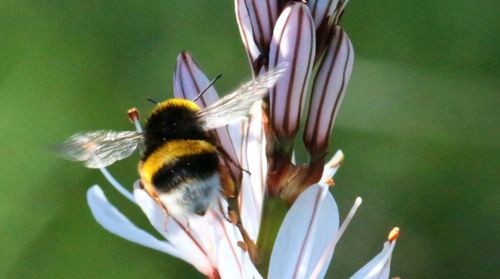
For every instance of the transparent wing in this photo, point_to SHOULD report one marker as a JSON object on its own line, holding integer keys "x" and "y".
{"x": 98, "y": 149}
{"x": 238, "y": 103}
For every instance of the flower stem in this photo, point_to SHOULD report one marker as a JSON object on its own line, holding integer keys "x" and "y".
{"x": 273, "y": 213}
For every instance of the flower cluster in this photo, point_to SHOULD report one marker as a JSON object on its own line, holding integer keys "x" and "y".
{"x": 307, "y": 38}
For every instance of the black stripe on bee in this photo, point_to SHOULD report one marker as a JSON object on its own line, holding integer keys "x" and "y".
{"x": 185, "y": 168}
{"x": 172, "y": 122}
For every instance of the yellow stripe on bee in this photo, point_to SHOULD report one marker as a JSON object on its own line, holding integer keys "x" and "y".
{"x": 175, "y": 103}
{"x": 169, "y": 152}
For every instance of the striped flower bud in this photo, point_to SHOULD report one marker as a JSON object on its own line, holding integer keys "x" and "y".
{"x": 293, "y": 43}
{"x": 256, "y": 19}
{"x": 328, "y": 90}
{"x": 321, "y": 10}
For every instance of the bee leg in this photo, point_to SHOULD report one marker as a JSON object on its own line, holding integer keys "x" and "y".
{"x": 223, "y": 152}
{"x": 231, "y": 217}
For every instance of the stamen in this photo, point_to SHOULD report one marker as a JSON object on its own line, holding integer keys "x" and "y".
{"x": 117, "y": 185}
{"x": 394, "y": 234}
{"x": 133, "y": 115}
{"x": 348, "y": 218}
{"x": 336, "y": 160}
{"x": 331, "y": 168}
{"x": 331, "y": 246}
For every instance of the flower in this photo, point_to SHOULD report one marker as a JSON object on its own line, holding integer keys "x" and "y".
{"x": 306, "y": 36}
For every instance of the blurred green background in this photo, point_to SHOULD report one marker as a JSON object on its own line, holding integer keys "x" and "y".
{"x": 420, "y": 127}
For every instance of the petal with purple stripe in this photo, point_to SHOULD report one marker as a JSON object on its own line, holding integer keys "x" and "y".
{"x": 328, "y": 90}
{"x": 321, "y": 10}
{"x": 293, "y": 43}
{"x": 247, "y": 36}
{"x": 254, "y": 160}
{"x": 312, "y": 221}
{"x": 192, "y": 246}
{"x": 263, "y": 15}
{"x": 189, "y": 81}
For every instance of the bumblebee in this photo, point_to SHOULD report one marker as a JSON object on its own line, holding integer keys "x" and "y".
{"x": 180, "y": 167}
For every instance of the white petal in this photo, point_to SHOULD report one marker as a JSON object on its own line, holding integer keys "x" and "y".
{"x": 116, "y": 223}
{"x": 254, "y": 160}
{"x": 379, "y": 267}
{"x": 192, "y": 249}
{"x": 251, "y": 270}
{"x": 215, "y": 224}
{"x": 321, "y": 265}
{"x": 227, "y": 264}
{"x": 231, "y": 266}
{"x": 236, "y": 133}
{"x": 312, "y": 221}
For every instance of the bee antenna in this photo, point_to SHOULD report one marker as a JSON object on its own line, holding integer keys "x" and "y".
{"x": 152, "y": 101}
{"x": 206, "y": 88}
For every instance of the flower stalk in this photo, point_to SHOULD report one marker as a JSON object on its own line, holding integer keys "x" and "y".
{"x": 305, "y": 35}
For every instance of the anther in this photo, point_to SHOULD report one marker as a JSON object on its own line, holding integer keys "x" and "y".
{"x": 394, "y": 234}
{"x": 133, "y": 116}
{"x": 330, "y": 182}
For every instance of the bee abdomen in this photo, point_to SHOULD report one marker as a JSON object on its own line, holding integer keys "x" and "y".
{"x": 176, "y": 161}
{"x": 195, "y": 167}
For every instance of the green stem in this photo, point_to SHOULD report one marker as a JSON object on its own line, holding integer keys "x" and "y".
{"x": 273, "y": 213}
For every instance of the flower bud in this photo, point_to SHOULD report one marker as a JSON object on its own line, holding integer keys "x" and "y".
{"x": 293, "y": 43}
{"x": 327, "y": 93}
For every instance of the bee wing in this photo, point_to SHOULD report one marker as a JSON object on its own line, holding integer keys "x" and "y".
{"x": 101, "y": 148}
{"x": 238, "y": 103}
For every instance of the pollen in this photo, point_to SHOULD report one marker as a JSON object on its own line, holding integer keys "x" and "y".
{"x": 394, "y": 234}
{"x": 330, "y": 182}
